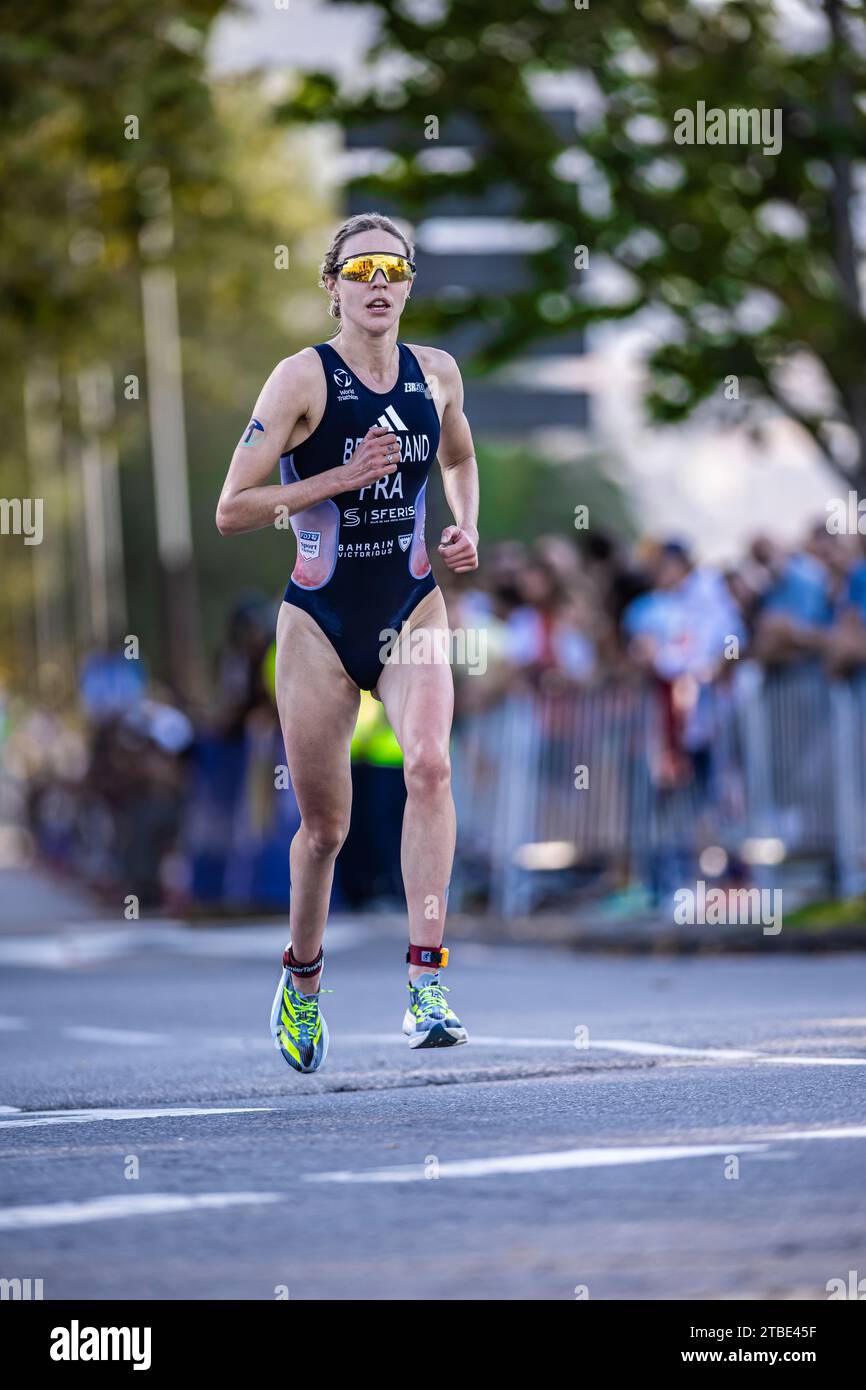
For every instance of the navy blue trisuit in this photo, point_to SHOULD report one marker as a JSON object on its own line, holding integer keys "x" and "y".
{"x": 362, "y": 564}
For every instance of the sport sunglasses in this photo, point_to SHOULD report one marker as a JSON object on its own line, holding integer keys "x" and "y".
{"x": 364, "y": 267}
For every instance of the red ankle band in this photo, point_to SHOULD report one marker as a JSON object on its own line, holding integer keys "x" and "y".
{"x": 437, "y": 956}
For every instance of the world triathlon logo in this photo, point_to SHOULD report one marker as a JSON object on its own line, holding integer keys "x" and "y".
{"x": 253, "y": 429}
{"x": 342, "y": 377}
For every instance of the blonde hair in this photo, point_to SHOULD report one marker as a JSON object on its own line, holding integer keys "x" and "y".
{"x": 361, "y": 222}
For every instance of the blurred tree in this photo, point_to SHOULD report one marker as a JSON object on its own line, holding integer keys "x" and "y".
{"x": 752, "y": 258}
{"x": 106, "y": 110}
{"x": 526, "y": 492}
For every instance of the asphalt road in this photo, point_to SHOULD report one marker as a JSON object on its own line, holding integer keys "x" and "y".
{"x": 708, "y": 1142}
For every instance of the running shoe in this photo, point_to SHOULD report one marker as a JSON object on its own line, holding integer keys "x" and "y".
{"x": 297, "y": 1027}
{"x": 430, "y": 1021}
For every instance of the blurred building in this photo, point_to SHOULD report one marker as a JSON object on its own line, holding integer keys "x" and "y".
{"x": 461, "y": 243}
{"x": 717, "y": 486}
{"x": 465, "y": 244}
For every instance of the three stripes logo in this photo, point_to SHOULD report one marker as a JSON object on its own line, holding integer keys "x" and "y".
{"x": 390, "y": 420}
{"x": 414, "y": 448}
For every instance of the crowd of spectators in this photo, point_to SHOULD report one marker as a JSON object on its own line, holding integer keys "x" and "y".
{"x": 560, "y": 613}
{"x": 569, "y": 615}
{"x": 178, "y": 807}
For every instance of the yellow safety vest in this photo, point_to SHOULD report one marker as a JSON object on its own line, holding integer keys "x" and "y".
{"x": 373, "y": 741}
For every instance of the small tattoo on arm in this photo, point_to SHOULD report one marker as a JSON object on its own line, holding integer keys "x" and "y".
{"x": 252, "y": 432}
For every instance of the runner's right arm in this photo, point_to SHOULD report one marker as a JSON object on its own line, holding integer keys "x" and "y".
{"x": 248, "y": 502}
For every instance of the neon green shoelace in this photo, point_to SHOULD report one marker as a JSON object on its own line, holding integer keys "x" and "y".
{"x": 309, "y": 1011}
{"x": 433, "y": 997}
{"x": 307, "y": 1006}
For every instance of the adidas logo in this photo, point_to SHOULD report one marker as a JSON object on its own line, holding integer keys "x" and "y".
{"x": 390, "y": 420}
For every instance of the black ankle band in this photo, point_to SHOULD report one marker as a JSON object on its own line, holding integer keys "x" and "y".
{"x": 297, "y": 967}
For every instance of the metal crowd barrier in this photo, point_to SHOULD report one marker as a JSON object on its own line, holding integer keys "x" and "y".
{"x": 566, "y": 796}
{"x": 774, "y": 777}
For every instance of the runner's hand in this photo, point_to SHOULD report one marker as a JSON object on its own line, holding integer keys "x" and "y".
{"x": 376, "y": 456}
{"x": 459, "y": 550}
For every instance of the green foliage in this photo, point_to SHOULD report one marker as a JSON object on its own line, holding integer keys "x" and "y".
{"x": 525, "y": 493}
{"x": 76, "y": 195}
{"x": 751, "y": 257}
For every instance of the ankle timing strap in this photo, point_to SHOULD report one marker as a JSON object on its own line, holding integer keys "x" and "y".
{"x": 427, "y": 955}
{"x": 297, "y": 967}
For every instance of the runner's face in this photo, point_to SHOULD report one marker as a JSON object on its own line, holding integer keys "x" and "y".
{"x": 377, "y": 305}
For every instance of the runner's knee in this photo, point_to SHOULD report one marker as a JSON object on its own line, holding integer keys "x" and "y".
{"x": 325, "y": 835}
{"x": 427, "y": 769}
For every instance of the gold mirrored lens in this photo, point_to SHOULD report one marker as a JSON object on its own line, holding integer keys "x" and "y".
{"x": 365, "y": 267}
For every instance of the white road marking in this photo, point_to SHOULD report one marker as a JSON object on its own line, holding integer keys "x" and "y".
{"x": 633, "y": 1046}
{"x": 476, "y": 1039}
{"x": 128, "y": 1037}
{"x": 86, "y": 1032}
{"x": 536, "y": 1163}
{"x": 838, "y": 1022}
{"x": 113, "y": 1208}
{"x": 158, "y": 1204}
{"x": 841, "y": 1132}
{"x": 796, "y": 1061}
{"x": 30, "y": 1119}
{"x": 723, "y": 1054}
{"x": 256, "y": 943}
{"x": 579, "y": 1158}
{"x": 68, "y": 952}
{"x": 92, "y": 946}
{"x": 655, "y": 1049}
{"x": 630, "y": 1046}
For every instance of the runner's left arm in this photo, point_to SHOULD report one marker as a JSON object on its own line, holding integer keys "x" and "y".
{"x": 459, "y": 544}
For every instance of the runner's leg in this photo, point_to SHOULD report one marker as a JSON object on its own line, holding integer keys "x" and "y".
{"x": 318, "y": 707}
{"x": 418, "y": 696}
